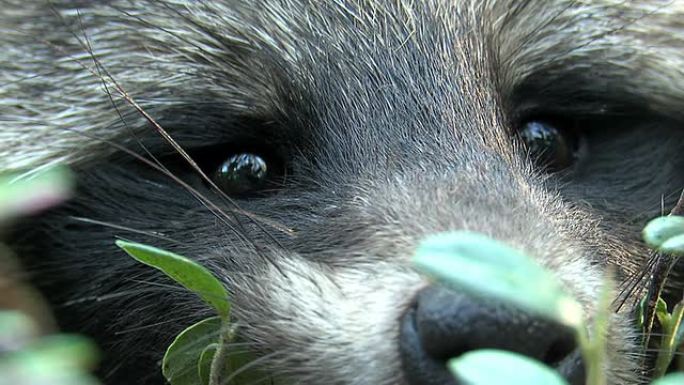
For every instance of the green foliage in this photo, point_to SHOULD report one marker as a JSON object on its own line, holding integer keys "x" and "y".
{"x": 206, "y": 357}
{"x": 594, "y": 349}
{"x": 182, "y": 364}
{"x": 186, "y": 272}
{"x": 673, "y": 246}
{"x": 16, "y": 330}
{"x": 673, "y": 333}
{"x": 239, "y": 366}
{"x": 666, "y": 234}
{"x": 670, "y": 379}
{"x": 182, "y": 358}
{"x": 486, "y": 267}
{"x": 29, "y": 193}
{"x": 27, "y": 359}
{"x": 496, "y": 367}
{"x": 467, "y": 261}
{"x": 204, "y": 353}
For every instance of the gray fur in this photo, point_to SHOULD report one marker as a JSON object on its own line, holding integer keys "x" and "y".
{"x": 395, "y": 118}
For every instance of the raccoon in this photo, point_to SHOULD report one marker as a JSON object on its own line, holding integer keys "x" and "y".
{"x": 326, "y": 139}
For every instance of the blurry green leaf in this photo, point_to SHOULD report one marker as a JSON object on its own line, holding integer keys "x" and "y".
{"x": 55, "y": 360}
{"x": 674, "y": 246}
{"x": 496, "y": 367}
{"x": 33, "y": 370}
{"x": 594, "y": 353}
{"x": 670, "y": 379}
{"x": 180, "y": 365}
{"x": 660, "y": 229}
{"x": 29, "y": 193}
{"x": 483, "y": 266}
{"x": 662, "y": 313}
{"x": 16, "y": 330}
{"x": 188, "y": 273}
{"x": 67, "y": 350}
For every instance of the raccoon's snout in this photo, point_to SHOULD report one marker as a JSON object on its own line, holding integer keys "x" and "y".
{"x": 442, "y": 324}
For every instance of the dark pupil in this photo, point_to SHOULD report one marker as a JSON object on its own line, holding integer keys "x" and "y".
{"x": 547, "y": 145}
{"x": 241, "y": 173}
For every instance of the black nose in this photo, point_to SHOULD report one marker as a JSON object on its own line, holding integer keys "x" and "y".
{"x": 443, "y": 324}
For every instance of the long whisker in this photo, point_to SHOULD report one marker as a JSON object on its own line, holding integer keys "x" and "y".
{"x": 151, "y": 234}
{"x": 250, "y": 365}
{"x": 105, "y": 297}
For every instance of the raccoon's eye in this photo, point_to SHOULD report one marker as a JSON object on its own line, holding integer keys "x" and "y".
{"x": 241, "y": 170}
{"x": 552, "y": 146}
{"x": 241, "y": 174}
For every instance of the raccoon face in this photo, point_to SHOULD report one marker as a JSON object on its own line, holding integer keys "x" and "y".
{"x": 334, "y": 137}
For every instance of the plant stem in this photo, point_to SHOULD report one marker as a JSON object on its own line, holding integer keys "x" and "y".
{"x": 668, "y": 344}
{"x": 594, "y": 349}
{"x": 219, "y": 360}
{"x": 658, "y": 276}
{"x": 593, "y": 358}
{"x": 587, "y": 355}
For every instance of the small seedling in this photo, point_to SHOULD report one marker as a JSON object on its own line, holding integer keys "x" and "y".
{"x": 200, "y": 354}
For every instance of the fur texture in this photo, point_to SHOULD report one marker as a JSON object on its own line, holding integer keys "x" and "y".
{"x": 394, "y": 119}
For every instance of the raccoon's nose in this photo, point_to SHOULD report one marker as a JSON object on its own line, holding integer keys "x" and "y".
{"x": 443, "y": 324}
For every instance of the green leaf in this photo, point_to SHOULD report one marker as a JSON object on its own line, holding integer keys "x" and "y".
{"x": 55, "y": 360}
{"x": 674, "y": 246}
{"x": 16, "y": 330}
{"x": 662, "y": 313}
{"x": 496, "y": 367}
{"x": 67, "y": 351}
{"x": 32, "y": 192}
{"x": 204, "y": 363}
{"x": 188, "y": 273}
{"x": 181, "y": 362}
{"x": 483, "y": 266}
{"x": 238, "y": 368}
{"x": 35, "y": 370}
{"x": 670, "y": 379}
{"x": 660, "y": 229}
